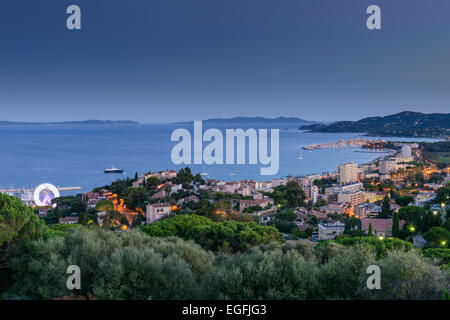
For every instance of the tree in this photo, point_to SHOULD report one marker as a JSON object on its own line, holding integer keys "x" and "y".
{"x": 104, "y": 206}
{"x": 406, "y": 276}
{"x": 175, "y": 226}
{"x": 437, "y": 237}
{"x": 370, "y": 230}
{"x": 294, "y": 194}
{"x": 131, "y": 273}
{"x": 286, "y": 215}
{"x": 130, "y": 266}
{"x": 431, "y": 220}
{"x": 262, "y": 274}
{"x": 135, "y": 198}
{"x": 18, "y": 226}
{"x": 339, "y": 278}
{"x": 386, "y": 211}
{"x": 412, "y": 215}
{"x": 404, "y": 201}
{"x": 232, "y": 236}
{"x": 18, "y": 223}
{"x": 395, "y": 226}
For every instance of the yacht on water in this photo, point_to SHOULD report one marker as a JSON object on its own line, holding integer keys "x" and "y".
{"x": 113, "y": 170}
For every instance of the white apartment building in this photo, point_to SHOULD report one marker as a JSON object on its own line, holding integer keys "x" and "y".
{"x": 348, "y": 173}
{"x": 354, "y": 198}
{"x": 347, "y": 188}
{"x": 387, "y": 166}
{"x": 406, "y": 151}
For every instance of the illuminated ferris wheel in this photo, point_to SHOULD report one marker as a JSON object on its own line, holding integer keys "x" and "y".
{"x": 44, "y": 194}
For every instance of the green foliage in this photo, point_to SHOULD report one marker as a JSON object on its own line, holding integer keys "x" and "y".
{"x": 134, "y": 265}
{"x": 339, "y": 278}
{"x": 70, "y": 204}
{"x": 386, "y": 211}
{"x": 112, "y": 267}
{"x": 443, "y": 195}
{"x": 437, "y": 237}
{"x": 135, "y": 197}
{"x": 381, "y": 247}
{"x": 285, "y": 226}
{"x": 261, "y": 274}
{"x": 18, "y": 223}
{"x": 395, "y": 225}
{"x": 443, "y": 254}
{"x": 105, "y": 205}
{"x": 294, "y": 194}
{"x": 159, "y": 277}
{"x": 175, "y": 226}
{"x": 300, "y": 234}
{"x": 404, "y": 201}
{"x": 431, "y": 220}
{"x": 61, "y": 229}
{"x": 286, "y": 215}
{"x": 232, "y": 236}
{"x": 412, "y": 215}
{"x": 184, "y": 176}
{"x": 406, "y": 275}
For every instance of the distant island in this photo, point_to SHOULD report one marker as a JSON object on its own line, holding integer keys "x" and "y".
{"x": 257, "y": 120}
{"x": 71, "y": 123}
{"x": 403, "y": 124}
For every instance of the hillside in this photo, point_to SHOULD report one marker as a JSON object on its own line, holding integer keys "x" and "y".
{"x": 291, "y": 121}
{"x": 403, "y": 124}
{"x": 70, "y": 123}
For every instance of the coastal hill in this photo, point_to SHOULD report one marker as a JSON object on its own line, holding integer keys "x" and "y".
{"x": 70, "y": 123}
{"x": 403, "y": 124}
{"x": 291, "y": 121}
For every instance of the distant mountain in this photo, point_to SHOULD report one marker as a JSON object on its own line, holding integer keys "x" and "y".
{"x": 292, "y": 121}
{"x": 71, "y": 123}
{"x": 403, "y": 124}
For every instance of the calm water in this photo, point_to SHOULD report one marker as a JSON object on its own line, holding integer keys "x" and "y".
{"x": 77, "y": 155}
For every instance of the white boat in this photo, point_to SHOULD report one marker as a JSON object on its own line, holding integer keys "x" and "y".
{"x": 114, "y": 170}
{"x": 299, "y": 158}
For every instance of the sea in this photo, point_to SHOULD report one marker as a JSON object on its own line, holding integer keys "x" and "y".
{"x": 68, "y": 156}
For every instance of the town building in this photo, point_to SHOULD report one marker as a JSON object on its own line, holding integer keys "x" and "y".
{"x": 388, "y": 166}
{"x": 348, "y": 173}
{"x": 406, "y": 151}
{"x": 192, "y": 198}
{"x": 380, "y": 227}
{"x": 329, "y": 231}
{"x": 243, "y": 204}
{"x": 353, "y": 198}
{"x": 156, "y": 211}
{"x": 68, "y": 220}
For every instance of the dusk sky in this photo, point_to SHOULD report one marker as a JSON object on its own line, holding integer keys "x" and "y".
{"x": 177, "y": 60}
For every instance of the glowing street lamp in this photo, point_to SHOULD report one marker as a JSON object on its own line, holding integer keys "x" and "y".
{"x": 443, "y": 243}
{"x": 412, "y": 228}
{"x": 381, "y": 238}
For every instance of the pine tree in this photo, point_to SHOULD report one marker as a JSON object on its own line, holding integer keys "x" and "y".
{"x": 395, "y": 226}
{"x": 386, "y": 211}
{"x": 370, "y": 230}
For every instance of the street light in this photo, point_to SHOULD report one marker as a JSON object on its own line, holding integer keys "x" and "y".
{"x": 443, "y": 243}
{"x": 412, "y": 228}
